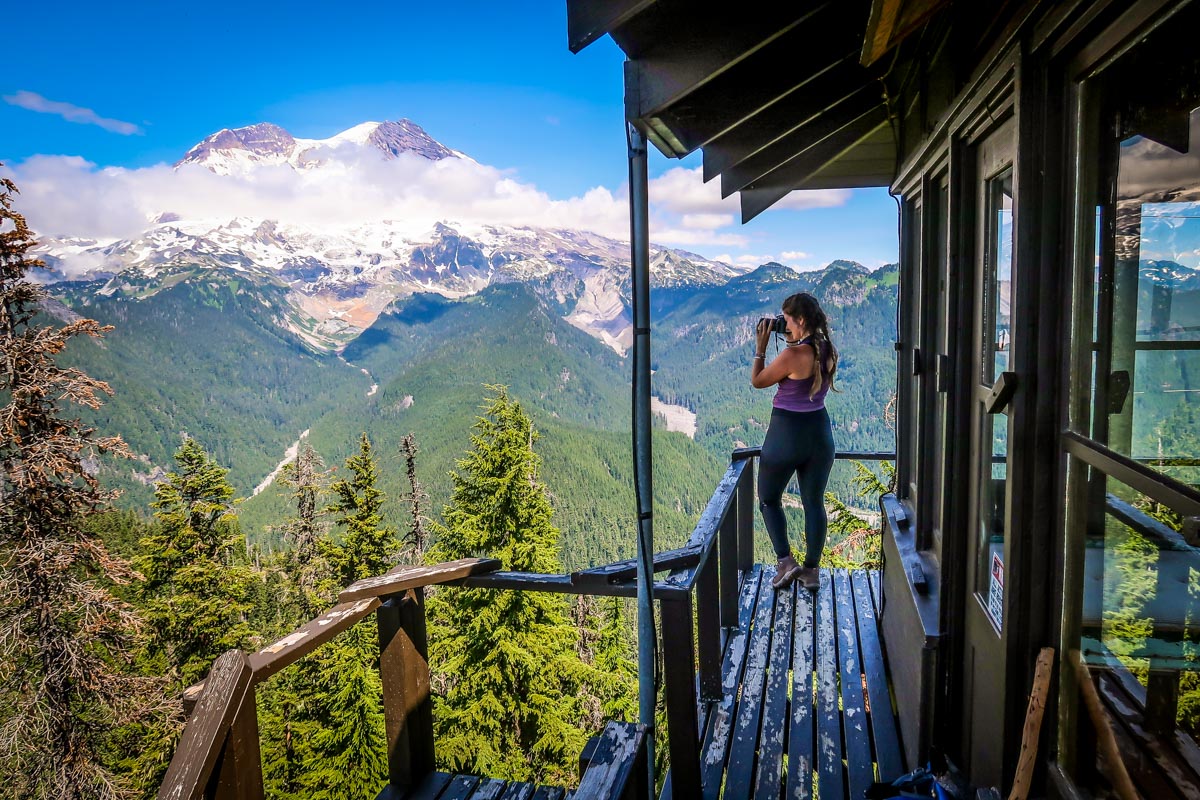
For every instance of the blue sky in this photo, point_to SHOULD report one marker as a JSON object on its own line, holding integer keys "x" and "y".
{"x": 494, "y": 80}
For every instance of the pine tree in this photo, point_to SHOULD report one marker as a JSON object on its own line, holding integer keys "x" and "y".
{"x": 196, "y": 591}
{"x": 507, "y": 659}
{"x": 63, "y": 635}
{"x": 416, "y": 535}
{"x": 348, "y": 742}
{"x": 307, "y": 562}
{"x": 368, "y": 547}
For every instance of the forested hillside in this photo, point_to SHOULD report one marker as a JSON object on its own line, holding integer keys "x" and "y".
{"x": 207, "y": 356}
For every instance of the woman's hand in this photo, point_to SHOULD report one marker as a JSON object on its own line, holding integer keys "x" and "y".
{"x": 762, "y": 335}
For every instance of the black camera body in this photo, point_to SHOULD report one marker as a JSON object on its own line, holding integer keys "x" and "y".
{"x": 777, "y": 324}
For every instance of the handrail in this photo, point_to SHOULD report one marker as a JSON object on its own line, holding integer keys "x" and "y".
{"x": 226, "y": 712}
{"x": 228, "y": 684}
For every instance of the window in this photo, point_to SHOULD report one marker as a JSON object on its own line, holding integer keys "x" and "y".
{"x": 1132, "y": 619}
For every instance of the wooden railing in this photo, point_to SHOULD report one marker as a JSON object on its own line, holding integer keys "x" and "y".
{"x": 218, "y": 755}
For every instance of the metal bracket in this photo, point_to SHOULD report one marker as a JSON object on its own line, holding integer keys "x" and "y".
{"x": 1002, "y": 392}
{"x": 1118, "y": 390}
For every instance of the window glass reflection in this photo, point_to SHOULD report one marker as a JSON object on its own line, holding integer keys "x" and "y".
{"x": 1151, "y": 391}
{"x": 999, "y": 279}
{"x": 1141, "y": 610}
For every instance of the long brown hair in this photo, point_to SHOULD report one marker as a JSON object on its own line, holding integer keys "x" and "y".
{"x": 804, "y": 306}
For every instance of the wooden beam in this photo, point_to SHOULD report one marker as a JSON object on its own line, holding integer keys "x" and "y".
{"x": 617, "y": 764}
{"x": 621, "y": 571}
{"x": 410, "y": 577}
{"x": 721, "y": 503}
{"x": 589, "y": 20}
{"x": 407, "y": 704}
{"x": 675, "y": 59}
{"x": 774, "y": 186}
{"x": 228, "y": 684}
{"x": 540, "y": 582}
{"x": 291, "y": 648}
{"x": 786, "y": 64}
{"x": 1107, "y": 740}
{"x": 820, "y": 125}
{"x": 800, "y": 107}
{"x": 1033, "y": 725}
{"x": 683, "y": 732}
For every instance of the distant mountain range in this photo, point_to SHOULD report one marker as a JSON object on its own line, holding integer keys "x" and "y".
{"x": 339, "y": 278}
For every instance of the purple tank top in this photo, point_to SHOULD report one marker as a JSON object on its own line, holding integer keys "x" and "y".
{"x": 792, "y": 395}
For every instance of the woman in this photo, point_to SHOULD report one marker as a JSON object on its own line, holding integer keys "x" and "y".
{"x": 800, "y": 437}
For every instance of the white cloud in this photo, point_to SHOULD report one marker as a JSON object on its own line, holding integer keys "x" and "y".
{"x": 64, "y": 195}
{"x": 803, "y": 199}
{"x": 706, "y": 221}
{"x": 683, "y": 191}
{"x": 72, "y": 113}
{"x": 68, "y": 196}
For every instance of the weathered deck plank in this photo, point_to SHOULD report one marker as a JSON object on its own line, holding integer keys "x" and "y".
{"x": 883, "y": 719}
{"x": 489, "y": 789}
{"x": 718, "y": 732}
{"x": 429, "y": 789}
{"x": 460, "y": 788}
{"x": 740, "y": 775}
{"x": 770, "y": 741}
{"x": 518, "y": 791}
{"x": 859, "y": 765}
{"x": 800, "y": 734}
{"x": 830, "y": 780}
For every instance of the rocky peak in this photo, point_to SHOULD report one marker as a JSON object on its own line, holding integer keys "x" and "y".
{"x": 406, "y": 136}
{"x": 261, "y": 139}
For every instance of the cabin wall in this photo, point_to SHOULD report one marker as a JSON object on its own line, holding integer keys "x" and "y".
{"x": 1032, "y": 347}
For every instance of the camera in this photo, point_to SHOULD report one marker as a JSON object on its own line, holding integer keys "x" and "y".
{"x": 775, "y": 324}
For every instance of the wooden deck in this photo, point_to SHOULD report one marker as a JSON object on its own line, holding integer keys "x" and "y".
{"x": 805, "y": 706}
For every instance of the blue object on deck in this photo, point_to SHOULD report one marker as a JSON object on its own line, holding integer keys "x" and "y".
{"x": 920, "y": 783}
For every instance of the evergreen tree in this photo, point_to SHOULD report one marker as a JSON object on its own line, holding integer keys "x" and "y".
{"x": 416, "y": 535}
{"x": 368, "y": 547}
{"x": 196, "y": 590}
{"x": 63, "y": 635}
{"x": 348, "y": 757}
{"x": 307, "y": 562}
{"x": 610, "y": 683}
{"x": 507, "y": 659}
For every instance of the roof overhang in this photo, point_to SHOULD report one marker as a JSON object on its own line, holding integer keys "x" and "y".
{"x": 775, "y": 95}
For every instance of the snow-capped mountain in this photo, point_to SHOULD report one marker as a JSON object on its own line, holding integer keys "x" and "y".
{"x": 241, "y": 150}
{"x": 339, "y": 277}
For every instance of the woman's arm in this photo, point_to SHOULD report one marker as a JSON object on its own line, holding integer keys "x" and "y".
{"x": 792, "y": 361}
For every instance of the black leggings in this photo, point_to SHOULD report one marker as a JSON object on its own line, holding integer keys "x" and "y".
{"x": 798, "y": 442}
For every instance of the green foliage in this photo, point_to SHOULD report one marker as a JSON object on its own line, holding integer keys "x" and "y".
{"x": 368, "y": 547}
{"x": 306, "y": 562}
{"x": 857, "y": 544}
{"x": 349, "y": 748}
{"x": 506, "y": 660}
{"x": 196, "y": 582}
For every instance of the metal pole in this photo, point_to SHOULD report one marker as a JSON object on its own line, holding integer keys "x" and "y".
{"x": 639, "y": 242}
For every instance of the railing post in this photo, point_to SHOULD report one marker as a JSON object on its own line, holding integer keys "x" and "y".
{"x": 240, "y": 767}
{"x": 745, "y": 517}
{"x": 708, "y": 629}
{"x": 683, "y": 732}
{"x": 407, "y": 706}
{"x": 727, "y": 551}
